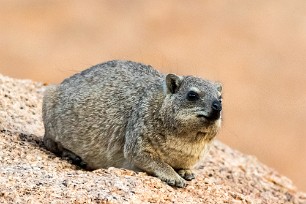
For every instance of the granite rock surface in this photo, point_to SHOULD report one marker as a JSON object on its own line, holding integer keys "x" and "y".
{"x": 31, "y": 174}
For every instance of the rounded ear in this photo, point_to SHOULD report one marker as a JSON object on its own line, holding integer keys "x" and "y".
{"x": 219, "y": 86}
{"x": 173, "y": 83}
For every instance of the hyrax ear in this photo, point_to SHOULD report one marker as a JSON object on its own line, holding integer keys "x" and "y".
{"x": 219, "y": 87}
{"x": 173, "y": 83}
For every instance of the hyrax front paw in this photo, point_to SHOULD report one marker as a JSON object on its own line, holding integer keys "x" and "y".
{"x": 178, "y": 182}
{"x": 158, "y": 168}
{"x": 186, "y": 174}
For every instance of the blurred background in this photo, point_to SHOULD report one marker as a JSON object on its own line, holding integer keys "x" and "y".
{"x": 257, "y": 49}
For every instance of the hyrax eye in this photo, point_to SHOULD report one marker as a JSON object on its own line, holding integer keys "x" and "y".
{"x": 192, "y": 96}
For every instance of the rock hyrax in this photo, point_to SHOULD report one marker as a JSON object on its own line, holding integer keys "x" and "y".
{"x": 128, "y": 115}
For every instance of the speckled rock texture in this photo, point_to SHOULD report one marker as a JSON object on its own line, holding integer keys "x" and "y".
{"x": 31, "y": 174}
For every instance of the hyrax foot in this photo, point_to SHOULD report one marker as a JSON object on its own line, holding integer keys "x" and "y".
{"x": 57, "y": 149}
{"x": 186, "y": 174}
{"x": 158, "y": 168}
{"x": 51, "y": 145}
{"x": 178, "y": 182}
{"x": 75, "y": 159}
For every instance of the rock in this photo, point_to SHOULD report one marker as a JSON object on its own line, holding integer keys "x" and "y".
{"x": 29, "y": 173}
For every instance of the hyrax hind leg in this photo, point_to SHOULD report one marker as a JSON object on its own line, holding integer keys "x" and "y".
{"x": 49, "y": 105}
{"x": 75, "y": 159}
{"x": 58, "y": 149}
{"x": 51, "y": 145}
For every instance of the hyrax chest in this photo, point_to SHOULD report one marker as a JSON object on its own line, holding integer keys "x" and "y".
{"x": 185, "y": 154}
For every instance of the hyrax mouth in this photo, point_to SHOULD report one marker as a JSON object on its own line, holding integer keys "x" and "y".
{"x": 201, "y": 134}
{"x": 203, "y": 118}
{"x": 212, "y": 117}
{"x": 213, "y": 114}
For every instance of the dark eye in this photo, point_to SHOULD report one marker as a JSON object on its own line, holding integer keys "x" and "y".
{"x": 192, "y": 96}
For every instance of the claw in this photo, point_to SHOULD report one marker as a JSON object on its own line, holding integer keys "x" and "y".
{"x": 177, "y": 183}
{"x": 186, "y": 174}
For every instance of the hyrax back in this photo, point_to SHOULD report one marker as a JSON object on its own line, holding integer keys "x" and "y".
{"x": 128, "y": 115}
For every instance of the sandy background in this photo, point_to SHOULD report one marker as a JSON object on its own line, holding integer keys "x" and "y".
{"x": 257, "y": 49}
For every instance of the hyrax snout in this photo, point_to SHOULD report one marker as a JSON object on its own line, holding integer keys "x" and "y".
{"x": 128, "y": 115}
{"x": 216, "y": 108}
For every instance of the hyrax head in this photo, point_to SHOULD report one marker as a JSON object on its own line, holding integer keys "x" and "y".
{"x": 194, "y": 104}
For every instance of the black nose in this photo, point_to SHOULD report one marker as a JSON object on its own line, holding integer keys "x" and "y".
{"x": 216, "y": 105}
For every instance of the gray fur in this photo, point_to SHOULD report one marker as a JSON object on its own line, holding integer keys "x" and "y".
{"x": 127, "y": 115}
